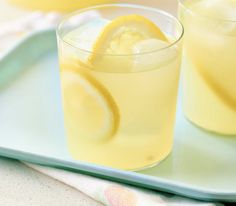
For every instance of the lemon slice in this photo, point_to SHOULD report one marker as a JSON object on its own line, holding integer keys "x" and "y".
{"x": 119, "y": 36}
{"x": 92, "y": 113}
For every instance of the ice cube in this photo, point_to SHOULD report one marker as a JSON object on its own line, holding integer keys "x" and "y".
{"x": 83, "y": 38}
{"x": 85, "y": 35}
{"x": 219, "y": 9}
{"x": 152, "y": 53}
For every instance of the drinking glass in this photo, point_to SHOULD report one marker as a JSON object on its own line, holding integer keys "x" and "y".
{"x": 119, "y": 110}
{"x": 209, "y": 65}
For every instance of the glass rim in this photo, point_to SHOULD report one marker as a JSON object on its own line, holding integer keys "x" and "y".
{"x": 187, "y": 8}
{"x": 80, "y": 11}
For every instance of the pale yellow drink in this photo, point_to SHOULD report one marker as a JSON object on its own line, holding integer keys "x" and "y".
{"x": 119, "y": 108}
{"x": 209, "y": 63}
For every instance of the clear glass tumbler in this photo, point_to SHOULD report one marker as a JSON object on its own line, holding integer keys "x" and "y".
{"x": 209, "y": 63}
{"x": 119, "y": 109}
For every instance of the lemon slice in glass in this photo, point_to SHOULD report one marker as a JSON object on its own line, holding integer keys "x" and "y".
{"x": 88, "y": 106}
{"x": 118, "y": 38}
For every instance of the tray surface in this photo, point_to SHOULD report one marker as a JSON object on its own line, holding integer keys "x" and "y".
{"x": 202, "y": 165}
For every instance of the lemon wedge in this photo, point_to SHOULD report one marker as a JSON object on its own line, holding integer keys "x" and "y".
{"x": 89, "y": 106}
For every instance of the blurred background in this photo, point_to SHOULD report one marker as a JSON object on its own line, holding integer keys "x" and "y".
{"x": 12, "y": 9}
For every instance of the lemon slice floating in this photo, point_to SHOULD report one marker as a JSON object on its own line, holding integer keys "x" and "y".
{"x": 121, "y": 34}
{"x": 118, "y": 38}
{"x": 89, "y": 106}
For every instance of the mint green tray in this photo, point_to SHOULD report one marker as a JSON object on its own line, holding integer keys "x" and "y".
{"x": 202, "y": 165}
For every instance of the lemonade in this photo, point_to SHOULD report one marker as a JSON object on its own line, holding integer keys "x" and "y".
{"x": 209, "y": 63}
{"x": 119, "y": 80}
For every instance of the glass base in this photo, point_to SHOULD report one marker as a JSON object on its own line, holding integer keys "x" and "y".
{"x": 150, "y": 165}
{"x": 202, "y": 127}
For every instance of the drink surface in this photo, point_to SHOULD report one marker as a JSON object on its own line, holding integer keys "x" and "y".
{"x": 119, "y": 106}
{"x": 209, "y": 63}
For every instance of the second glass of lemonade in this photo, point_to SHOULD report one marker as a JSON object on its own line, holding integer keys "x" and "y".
{"x": 209, "y": 63}
{"x": 119, "y": 73}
